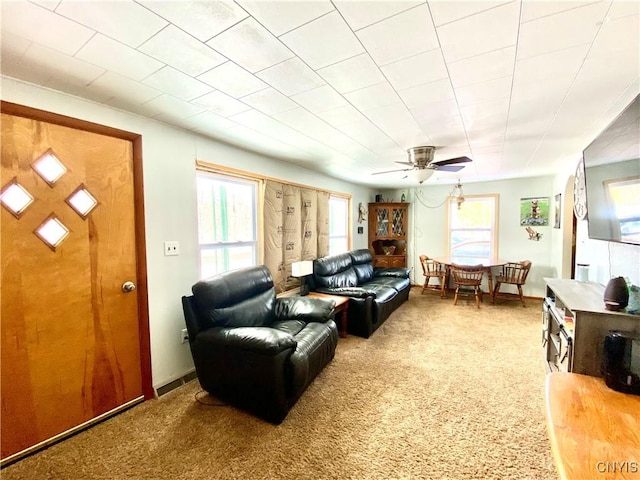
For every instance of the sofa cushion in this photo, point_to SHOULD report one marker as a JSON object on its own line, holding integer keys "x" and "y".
{"x": 395, "y": 282}
{"x": 334, "y": 272}
{"x": 292, "y": 327}
{"x": 362, "y": 263}
{"x": 238, "y": 298}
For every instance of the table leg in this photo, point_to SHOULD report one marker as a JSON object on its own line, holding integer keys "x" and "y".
{"x": 490, "y": 282}
{"x": 343, "y": 324}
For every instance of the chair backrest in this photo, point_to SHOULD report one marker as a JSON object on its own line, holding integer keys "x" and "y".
{"x": 467, "y": 274}
{"x": 431, "y": 268}
{"x": 516, "y": 272}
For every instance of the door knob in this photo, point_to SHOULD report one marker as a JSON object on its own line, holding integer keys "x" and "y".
{"x": 128, "y": 287}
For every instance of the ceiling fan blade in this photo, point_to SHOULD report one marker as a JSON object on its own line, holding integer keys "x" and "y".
{"x": 391, "y": 171}
{"x": 447, "y": 168}
{"x": 451, "y": 161}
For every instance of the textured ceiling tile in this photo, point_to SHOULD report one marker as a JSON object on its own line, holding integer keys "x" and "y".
{"x": 221, "y": 104}
{"x": 562, "y": 30}
{"x": 282, "y": 16}
{"x": 127, "y": 22}
{"x": 497, "y": 89}
{"x": 359, "y": 13}
{"x": 232, "y": 80}
{"x": 203, "y": 19}
{"x": 176, "y": 83}
{"x": 481, "y": 33}
{"x": 445, "y": 12}
{"x": 182, "y": 51}
{"x": 42, "y": 26}
{"x": 119, "y": 58}
{"x": 320, "y": 99}
{"x": 251, "y": 46}
{"x": 323, "y": 41}
{"x": 482, "y": 68}
{"x": 426, "y": 93}
{"x": 373, "y": 97}
{"x": 352, "y": 74}
{"x": 60, "y": 65}
{"x": 269, "y": 101}
{"x": 423, "y": 68}
{"x": 168, "y": 107}
{"x": 412, "y": 32}
{"x": 291, "y": 76}
{"x": 123, "y": 90}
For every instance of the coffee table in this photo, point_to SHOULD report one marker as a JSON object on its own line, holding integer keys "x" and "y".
{"x": 341, "y": 306}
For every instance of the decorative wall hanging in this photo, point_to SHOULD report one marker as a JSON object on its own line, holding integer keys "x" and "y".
{"x": 533, "y": 235}
{"x": 556, "y": 212}
{"x": 362, "y": 212}
{"x": 534, "y": 211}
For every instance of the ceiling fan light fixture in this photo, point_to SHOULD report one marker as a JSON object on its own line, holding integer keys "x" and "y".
{"x": 421, "y": 175}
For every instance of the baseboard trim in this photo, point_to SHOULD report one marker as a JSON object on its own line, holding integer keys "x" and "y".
{"x": 178, "y": 382}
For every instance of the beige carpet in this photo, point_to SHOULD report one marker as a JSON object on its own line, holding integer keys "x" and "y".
{"x": 439, "y": 392}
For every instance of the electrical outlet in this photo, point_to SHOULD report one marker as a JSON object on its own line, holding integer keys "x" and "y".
{"x": 184, "y": 335}
{"x": 171, "y": 248}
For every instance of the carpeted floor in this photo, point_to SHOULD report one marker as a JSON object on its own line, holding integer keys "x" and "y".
{"x": 439, "y": 392}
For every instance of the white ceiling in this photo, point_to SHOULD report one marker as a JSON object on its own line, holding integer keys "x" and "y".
{"x": 345, "y": 87}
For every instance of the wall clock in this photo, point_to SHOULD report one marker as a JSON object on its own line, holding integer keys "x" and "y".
{"x": 579, "y": 192}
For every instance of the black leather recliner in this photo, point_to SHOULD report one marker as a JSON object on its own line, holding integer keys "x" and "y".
{"x": 253, "y": 350}
{"x": 374, "y": 293}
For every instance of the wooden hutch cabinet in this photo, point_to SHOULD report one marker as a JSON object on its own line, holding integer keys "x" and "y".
{"x": 388, "y": 233}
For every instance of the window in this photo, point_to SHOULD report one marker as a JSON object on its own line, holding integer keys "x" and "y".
{"x": 623, "y": 198}
{"x": 338, "y": 225}
{"x": 472, "y": 228}
{"x": 227, "y": 223}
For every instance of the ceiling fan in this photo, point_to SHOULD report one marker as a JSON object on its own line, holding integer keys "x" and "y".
{"x": 421, "y": 161}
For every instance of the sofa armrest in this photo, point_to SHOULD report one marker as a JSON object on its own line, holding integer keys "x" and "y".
{"x": 263, "y": 340}
{"x": 355, "y": 292}
{"x": 401, "y": 272}
{"x": 306, "y": 309}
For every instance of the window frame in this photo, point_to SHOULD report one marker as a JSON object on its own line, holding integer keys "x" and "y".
{"x": 256, "y": 242}
{"x": 347, "y": 220}
{"x": 493, "y": 242}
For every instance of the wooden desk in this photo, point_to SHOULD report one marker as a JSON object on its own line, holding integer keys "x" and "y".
{"x": 594, "y": 430}
{"x": 342, "y": 306}
{"x": 487, "y": 263}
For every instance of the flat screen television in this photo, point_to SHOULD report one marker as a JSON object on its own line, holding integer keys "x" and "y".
{"x": 612, "y": 179}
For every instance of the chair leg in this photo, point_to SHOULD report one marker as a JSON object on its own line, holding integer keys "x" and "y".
{"x": 455, "y": 300}
{"x": 478, "y": 294}
{"x": 495, "y": 292}
{"x": 443, "y": 287}
{"x": 424, "y": 286}
{"x": 521, "y": 298}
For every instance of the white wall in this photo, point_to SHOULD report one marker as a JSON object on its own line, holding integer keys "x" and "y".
{"x": 169, "y": 156}
{"x": 428, "y": 227}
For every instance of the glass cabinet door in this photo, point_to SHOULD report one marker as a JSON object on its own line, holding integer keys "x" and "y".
{"x": 382, "y": 222}
{"x": 397, "y": 219}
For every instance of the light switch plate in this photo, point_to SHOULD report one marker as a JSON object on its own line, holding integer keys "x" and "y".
{"x": 171, "y": 248}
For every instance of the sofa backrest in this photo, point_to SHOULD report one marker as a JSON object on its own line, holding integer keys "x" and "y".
{"x": 239, "y": 298}
{"x": 334, "y": 271}
{"x": 362, "y": 262}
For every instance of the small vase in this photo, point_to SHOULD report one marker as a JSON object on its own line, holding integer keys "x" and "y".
{"x": 616, "y": 294}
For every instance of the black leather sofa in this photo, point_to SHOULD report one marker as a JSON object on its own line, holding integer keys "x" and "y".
{"x": 374, "y": 293}
{"x": 253, "y": 350}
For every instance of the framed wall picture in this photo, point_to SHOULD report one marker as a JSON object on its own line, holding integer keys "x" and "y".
{"x": 557, "y": 210}
{"x": 534, "y": 212}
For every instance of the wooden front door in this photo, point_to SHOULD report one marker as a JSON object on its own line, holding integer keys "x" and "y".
{"x": 71, "y": 337}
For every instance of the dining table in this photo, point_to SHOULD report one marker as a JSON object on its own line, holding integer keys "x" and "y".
{"x": 487, "y": 262}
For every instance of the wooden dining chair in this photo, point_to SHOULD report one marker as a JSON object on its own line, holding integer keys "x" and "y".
{"x": 468, "y": 278}
{"x": 432, "y": 269}
{"x": 513, "y": 273}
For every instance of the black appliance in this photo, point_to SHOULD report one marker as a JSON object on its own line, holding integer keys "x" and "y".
{"x": 621, "y": 361}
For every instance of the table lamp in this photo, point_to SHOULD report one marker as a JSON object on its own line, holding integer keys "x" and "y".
{"x": 301, "y": 270}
